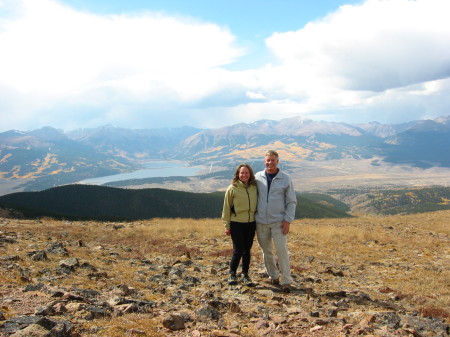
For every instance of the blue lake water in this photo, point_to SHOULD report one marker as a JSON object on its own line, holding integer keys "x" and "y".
{"x": 160, "y": 169}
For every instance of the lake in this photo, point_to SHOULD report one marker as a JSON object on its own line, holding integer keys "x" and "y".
{"x": 160, "y": 169}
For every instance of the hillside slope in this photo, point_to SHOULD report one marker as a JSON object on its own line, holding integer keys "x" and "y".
{"x": 108, "y": 203}
{"x": 396, "y": 201}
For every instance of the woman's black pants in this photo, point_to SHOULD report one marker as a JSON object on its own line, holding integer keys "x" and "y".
{"x": 242, "y": 235}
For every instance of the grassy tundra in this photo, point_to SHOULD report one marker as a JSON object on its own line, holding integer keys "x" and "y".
{"x": 402, "y": 257}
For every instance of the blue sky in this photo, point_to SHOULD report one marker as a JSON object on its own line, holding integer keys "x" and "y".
{"x": 151, "y": 64}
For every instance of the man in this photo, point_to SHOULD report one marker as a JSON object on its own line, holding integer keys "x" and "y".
{"x": 274, "y": 213}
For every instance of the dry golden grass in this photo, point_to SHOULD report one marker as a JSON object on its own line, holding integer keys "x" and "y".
{"x": 130, "y": 325}
{"x": 405, "y": 256}
{"x": 409, "y": 254}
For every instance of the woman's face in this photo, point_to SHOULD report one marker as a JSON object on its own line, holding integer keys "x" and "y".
{"x": 244, "y": 174}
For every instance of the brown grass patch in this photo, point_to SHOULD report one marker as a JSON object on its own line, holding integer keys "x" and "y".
{"x": 405, "y": 256}
{"x": 434, "y": 312}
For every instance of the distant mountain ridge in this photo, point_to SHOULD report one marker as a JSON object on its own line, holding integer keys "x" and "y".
{"x": 48, "y": 153}
{"x": 48, "y": 157}
{"x": 139, "y": 143}
{"x": 305, "y": 139}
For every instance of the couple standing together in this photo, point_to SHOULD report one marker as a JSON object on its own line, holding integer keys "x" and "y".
{"x": 264, "y": 203}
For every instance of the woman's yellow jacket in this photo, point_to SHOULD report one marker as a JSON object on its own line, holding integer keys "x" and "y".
{"x": 239, "y": 204}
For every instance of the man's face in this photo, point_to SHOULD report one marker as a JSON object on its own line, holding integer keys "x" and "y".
{"x": 271, "y": 163}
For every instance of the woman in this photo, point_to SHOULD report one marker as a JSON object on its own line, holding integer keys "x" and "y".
{"x": 238, "y": 217}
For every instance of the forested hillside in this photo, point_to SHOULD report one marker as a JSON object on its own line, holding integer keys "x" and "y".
{"x": 109, "y": 204}
{"x": 397, "y": 201}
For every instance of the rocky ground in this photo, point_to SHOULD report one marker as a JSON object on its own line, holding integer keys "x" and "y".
{"x": 366, "y": 276}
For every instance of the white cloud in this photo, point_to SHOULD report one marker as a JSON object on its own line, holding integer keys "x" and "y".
{"x": 354, "y": 56}
{"x": 255, "y": 95}
{"x": 53, "y": 55}
{"x": 385, "y": 60}
{"x": 375, "y": 46}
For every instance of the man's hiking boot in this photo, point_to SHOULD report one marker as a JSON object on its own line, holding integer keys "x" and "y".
{"x": 274, "y": 281}
{"x": 232, "y": 280}
{"x": 286, "y": 288}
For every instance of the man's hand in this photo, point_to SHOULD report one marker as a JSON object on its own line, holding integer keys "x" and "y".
{"x": 228, "y": 232}
{"x": 285, "y": 227}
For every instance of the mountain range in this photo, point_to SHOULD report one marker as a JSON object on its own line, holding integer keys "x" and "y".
{"x": 419, "y": 143}
{"x": 47, "y": 157}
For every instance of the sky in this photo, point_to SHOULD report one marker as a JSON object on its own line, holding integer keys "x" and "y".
{"x": 146, "y": 64}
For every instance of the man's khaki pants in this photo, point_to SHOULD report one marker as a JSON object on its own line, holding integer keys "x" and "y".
{"x": 267, "y": 234}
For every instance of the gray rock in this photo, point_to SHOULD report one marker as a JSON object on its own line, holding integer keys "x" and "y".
{"x": 67, "y": 266}
{"x": 34, "y": 287}
{"x": 191, "y": 280}
{"x": 33, "y": 330}
{"x": 87, "y": 265}
{"x": 97, "y": 312}
{"x": 125, "y": 290}
{"x": 44, "y": 311}
{"x": 25, "y": 275}
{"x": 98, "y": 275}
{"x": 9, "y": 327}
{"x": 8, "y": 238}
{"x": 38, "y": 255}
{"x": 359, "y": 297}
{"x": 70, "y": 263}
{"x": 24, "y": 321}
{"x": 331, "y": 312}
{"x": 10, "y": 258}
{"x": 118, "y": 300}
{"x": 388, "y": 318}
{"x": 209, "y": 312}
{"x": 336, "y": 294}
{"x": 177, "y": 271}
{"x": 89, "y": 293}
{"x": 330, "y": 270}
{"x": 174, "y": 322}
{"x": 424, "y": 325}
{"x": 57, "y": 248}
{"x": 35, "y": 326}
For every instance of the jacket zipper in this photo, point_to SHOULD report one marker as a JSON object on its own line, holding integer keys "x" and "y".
{"x": 249, "y": 205}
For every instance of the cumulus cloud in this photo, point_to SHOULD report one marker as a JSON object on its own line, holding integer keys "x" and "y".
{"x": 385, "y": 60}
{"x": 375, "y": 46}
{"x": 349, "y": 61}
{"x": 53, "y": 55}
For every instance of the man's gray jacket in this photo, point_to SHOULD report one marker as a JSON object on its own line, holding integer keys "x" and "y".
{"x": 277, "y": 204}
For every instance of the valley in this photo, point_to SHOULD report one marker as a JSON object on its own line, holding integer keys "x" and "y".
{"x": 319, "y": 155}
{"x": 319, "y": 176}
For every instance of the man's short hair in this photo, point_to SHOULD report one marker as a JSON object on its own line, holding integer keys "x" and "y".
{"x": 272, "y": 153}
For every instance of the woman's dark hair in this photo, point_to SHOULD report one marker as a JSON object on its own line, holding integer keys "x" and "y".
{"x": 251, "y": 181}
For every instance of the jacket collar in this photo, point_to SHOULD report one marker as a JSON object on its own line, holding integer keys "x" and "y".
{"x": 240, "y": 183}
